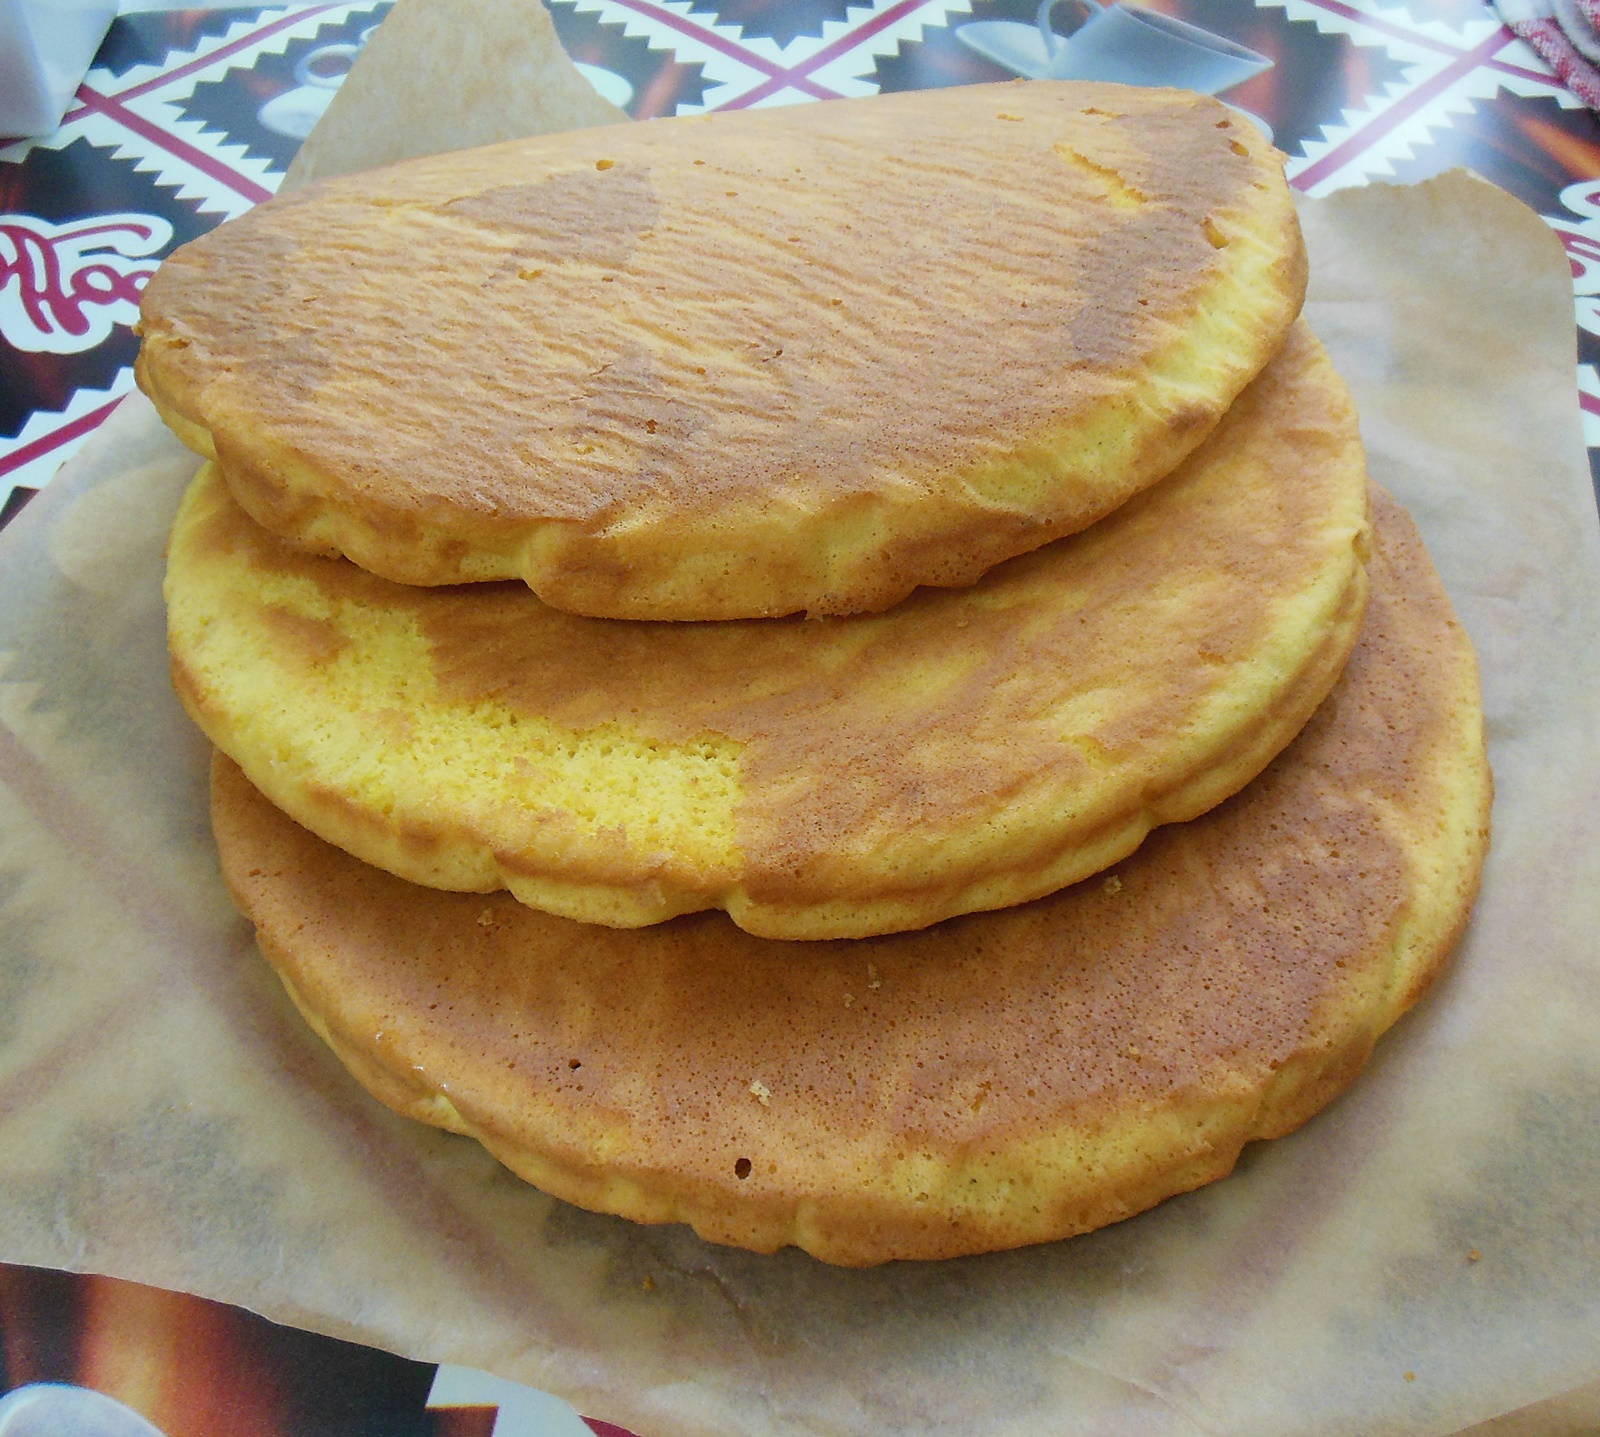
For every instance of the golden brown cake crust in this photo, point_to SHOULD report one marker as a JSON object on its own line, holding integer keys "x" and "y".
{"x": 998, "y": 1080}
{"x": 816, "y": 778}
{"x": 737, "y": 365}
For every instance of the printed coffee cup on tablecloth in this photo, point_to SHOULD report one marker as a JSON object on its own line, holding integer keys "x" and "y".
{"x": 1135, "y": 46}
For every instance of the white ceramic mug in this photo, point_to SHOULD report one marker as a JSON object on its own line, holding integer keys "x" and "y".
{"x": 1135, "y": 46}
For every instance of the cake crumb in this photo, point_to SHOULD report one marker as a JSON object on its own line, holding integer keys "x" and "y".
{"x": 848, "y": 1000}
{"x": 1113, "y": 884}
{"x": 649, "y": 1283}
{"x": 874, "y": 982}
{"x": 486, "y": 918}
{"x": 1411, "y": 1376}
{"x": 761, "y": 1093}
{"x": 1473, "y": 1255}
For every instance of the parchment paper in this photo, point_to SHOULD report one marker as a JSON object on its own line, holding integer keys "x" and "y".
{"x": 449, "y": 74}
{"x": 165, "y": 1116}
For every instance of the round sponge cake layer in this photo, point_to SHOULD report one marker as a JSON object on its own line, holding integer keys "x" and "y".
{"x": 817, "y": 778}
{"x": 737, "y": 365}
{"x": 1001, "y": 1079}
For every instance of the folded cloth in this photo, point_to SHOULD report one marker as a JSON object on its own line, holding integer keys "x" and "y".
{"x": 1590, "y": 10}
{"x": 1566, "y": 35}
{"x": 1577, "y": 21}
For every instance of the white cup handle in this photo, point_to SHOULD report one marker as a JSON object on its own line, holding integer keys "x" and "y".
{"x": 1052, "y": 41}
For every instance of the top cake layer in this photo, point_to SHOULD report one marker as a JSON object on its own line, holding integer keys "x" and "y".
{"x": 737, "y": 365}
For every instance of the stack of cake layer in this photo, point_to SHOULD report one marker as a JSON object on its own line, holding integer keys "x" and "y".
{"x": 871, "y": 520}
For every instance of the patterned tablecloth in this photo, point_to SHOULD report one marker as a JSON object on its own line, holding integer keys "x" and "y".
{"x": 190, "y": 116}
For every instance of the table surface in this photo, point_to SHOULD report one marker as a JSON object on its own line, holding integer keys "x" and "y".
{"x": 194, "y": 1368}
{"x": 189, "y": 117}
